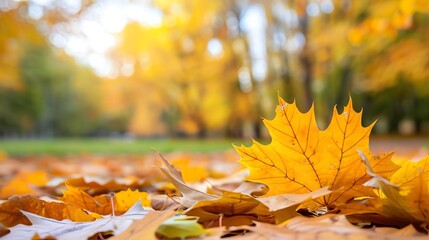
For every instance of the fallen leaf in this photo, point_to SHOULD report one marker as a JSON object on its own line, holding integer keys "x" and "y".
{"x": 162, "y": 202}
{"x": 403, "y": 199}
{"x": 102, "y": 204}
{"x": 67, "y": 229}
{"x": 11, "y": 215}
{"x": 22, "y": 183}
{"x": 283, "y": 201}
{"x": 413, "y": 181}
{"x": 251, "y": 188}
{"x": 98, "y": 185}
{"x": 232, "y": 209}
{"x": 145, "y": 228}
{"x": 327, "y": 227}
{"x": 191, "y": 196}
{"x": 302, "y": 159}
{"x": 125, "y": 199}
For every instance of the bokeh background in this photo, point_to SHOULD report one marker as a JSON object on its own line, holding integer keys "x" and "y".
{"x": 194, "y": 68}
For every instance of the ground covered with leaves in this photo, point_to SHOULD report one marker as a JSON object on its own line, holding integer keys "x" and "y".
{"x": 306, "y": 183}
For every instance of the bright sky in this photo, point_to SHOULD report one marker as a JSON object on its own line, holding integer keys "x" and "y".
{"x": 90, "y": 37}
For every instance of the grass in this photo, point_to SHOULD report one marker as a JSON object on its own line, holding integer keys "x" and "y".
{"x": 20, "y": 147}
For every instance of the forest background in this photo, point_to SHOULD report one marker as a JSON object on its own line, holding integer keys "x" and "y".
{"x": 190, "y": 68}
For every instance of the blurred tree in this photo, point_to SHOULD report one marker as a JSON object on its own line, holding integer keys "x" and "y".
{"x": 15, "y": 32}
{"x": 183, "y": 74}
{"x": 209, "y": 67}
{"x": 42, "y": 92}
{"x": 52, "y": 84}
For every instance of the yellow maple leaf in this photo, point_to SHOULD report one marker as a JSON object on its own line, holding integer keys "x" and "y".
{"x": 126, "y": 199}
{"x": 302, "y": 159}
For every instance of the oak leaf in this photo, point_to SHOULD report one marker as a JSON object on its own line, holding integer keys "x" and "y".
{"x": 302, "y": 159}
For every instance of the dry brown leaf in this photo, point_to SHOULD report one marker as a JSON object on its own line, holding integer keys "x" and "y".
{"x": 10, "y": 214}
{"x": 232, "y": 209}
{"x": 66, "y": 229}
{"x": 279, "y": 202}
{"x": 146, "y": 227}
{"x": 191, "y": 196}
{"x": 327, "y": 227}
{"x": 98, "y": 185}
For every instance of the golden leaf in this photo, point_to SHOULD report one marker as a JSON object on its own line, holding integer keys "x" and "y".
{"x": 413, "y": 182}
{"x": 126, "y": 199}
{"x": 402, "y": 200}
{"x": 302, "y": 159}
{"x": 102, "y": 204}
{"x": 79, "y": 198}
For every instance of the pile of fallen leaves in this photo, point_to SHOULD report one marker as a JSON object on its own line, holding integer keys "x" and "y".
{"x": 305, "y": 184}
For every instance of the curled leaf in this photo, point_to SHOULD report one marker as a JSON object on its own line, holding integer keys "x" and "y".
{"x": 191, "y": 196}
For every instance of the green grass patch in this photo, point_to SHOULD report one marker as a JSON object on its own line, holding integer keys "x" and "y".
{"x": 15, "y": 147}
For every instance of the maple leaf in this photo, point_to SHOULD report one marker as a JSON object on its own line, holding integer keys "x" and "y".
{"x": 232, "y": 208}
{"x": 302, "y": 159}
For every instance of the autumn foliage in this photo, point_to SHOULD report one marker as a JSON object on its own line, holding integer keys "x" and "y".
{"x": 306, "y": 183}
